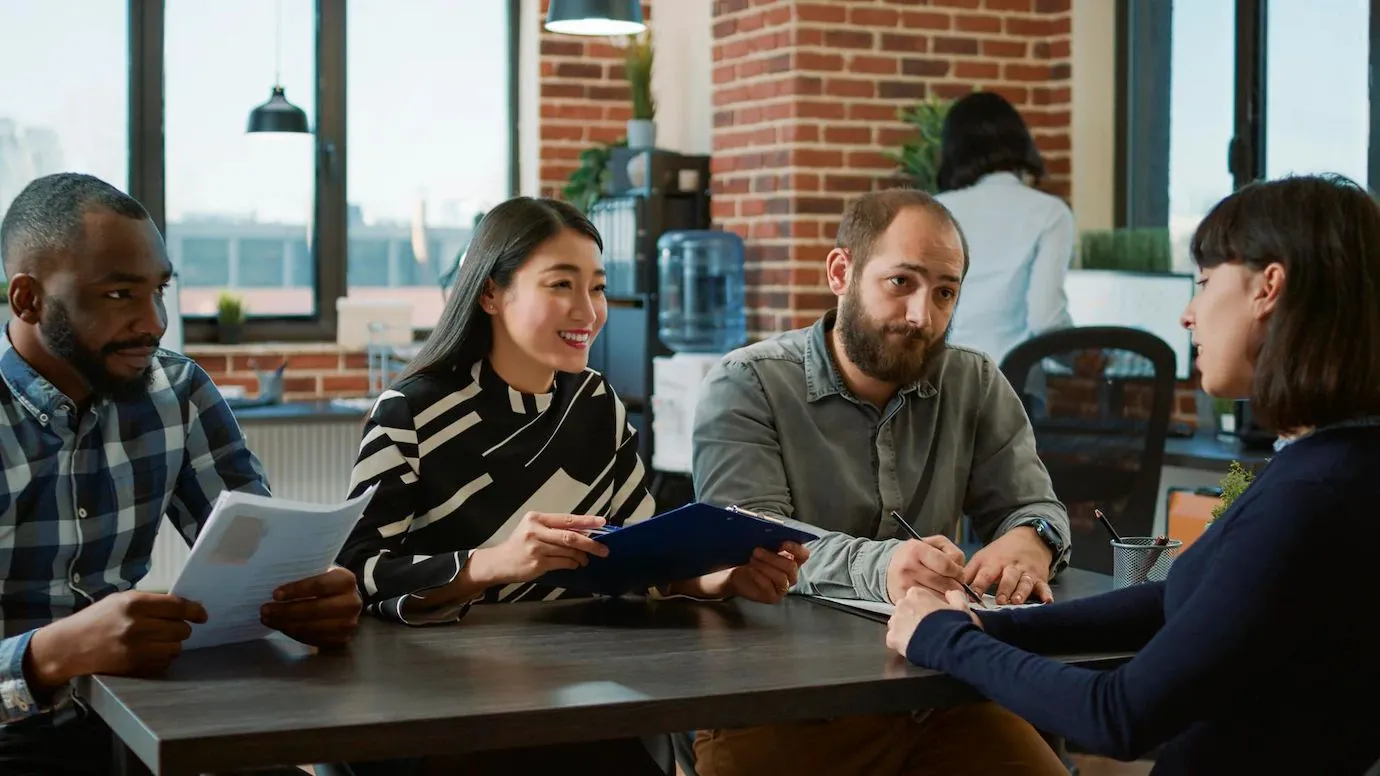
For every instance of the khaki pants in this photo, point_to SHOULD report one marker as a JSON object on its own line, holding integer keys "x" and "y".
{"x": 976, "y": 738}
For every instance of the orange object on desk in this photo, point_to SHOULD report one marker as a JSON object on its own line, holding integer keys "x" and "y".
{"x": 1189, "y": 512}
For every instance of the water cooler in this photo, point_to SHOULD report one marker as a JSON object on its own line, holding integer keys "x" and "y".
{"x": 700, "y": 317}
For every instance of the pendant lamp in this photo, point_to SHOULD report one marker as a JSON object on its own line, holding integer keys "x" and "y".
{"x": 595, "y": 17}
{"x": 278, "y": 115}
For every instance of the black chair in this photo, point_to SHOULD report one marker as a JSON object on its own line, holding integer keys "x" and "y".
{"x": 1099, "y": 400}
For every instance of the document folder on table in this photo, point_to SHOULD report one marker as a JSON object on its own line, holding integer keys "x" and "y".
{"x": 681, "y": 544}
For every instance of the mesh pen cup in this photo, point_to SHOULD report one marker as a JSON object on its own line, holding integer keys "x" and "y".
{"x": 1137, "y": 559}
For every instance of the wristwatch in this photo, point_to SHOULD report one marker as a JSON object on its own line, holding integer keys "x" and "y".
{"x": 1057, "y": 546}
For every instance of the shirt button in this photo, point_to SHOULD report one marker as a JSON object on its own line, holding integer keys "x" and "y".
{"x": 81, "y": 512}
{"x": 43, "y": 417}
{"x": 76, "y": 578}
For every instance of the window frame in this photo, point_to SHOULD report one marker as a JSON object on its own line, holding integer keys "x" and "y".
{"x": 1144, "y": 62}
{"x": 330, "y": 222}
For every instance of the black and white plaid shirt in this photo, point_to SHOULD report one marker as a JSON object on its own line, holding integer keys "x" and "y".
{"x": 83, "y": 493}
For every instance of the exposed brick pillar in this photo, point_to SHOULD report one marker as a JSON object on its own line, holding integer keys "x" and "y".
{"x": 584, "y": 100}
{"x": 806, "y": 96}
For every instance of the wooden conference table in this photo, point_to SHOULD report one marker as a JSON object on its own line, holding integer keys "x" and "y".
{"x": 519, "y": 675}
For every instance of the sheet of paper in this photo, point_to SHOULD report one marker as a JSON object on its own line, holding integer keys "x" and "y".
{"x": 887, "y": 609}
{"x": 250, "y": 546}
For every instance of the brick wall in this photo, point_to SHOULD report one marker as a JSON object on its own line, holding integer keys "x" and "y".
{"x": 584, "y": 100}
{"x": 805, "y": 102}
{"x": 314, "y": 370}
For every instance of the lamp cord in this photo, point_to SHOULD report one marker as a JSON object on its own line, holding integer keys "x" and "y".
{"x": 278, "y": 48}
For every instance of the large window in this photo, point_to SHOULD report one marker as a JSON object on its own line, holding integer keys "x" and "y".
{"x": 412, "y": 135}
{"x": 64, "y": 91}
{"x": 1200, "y": 116}
{"x": 429, "y": 139}
{"x": 1217, "y": 93}
{"x": 250, "y": 194}
{"x": 1317, "y": 107}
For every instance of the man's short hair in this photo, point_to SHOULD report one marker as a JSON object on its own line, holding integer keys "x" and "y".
{"x": 868, "y": 217}
{"x": 47, "y": 215}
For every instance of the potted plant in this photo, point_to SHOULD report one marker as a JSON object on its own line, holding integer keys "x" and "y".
{"x": 1237, "y": 479}
{"x": 919, "y": 156}
{"x": 590, "y": 180}
{"x": 1130, "y": 250}
{"x": 638, "y": 69}
{"x": 229, "y": 318}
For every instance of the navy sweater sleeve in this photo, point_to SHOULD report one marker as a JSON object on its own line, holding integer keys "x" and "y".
{"x": 1252, "y": 607}
{"x": 1120, "y": 621}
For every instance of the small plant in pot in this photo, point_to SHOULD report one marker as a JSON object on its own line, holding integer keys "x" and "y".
{"x": 638, "y": 69}
{"x": 919, "y": 156}
{"x": 229, "y": 319}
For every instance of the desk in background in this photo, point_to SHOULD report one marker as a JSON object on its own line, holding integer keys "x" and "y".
{"x": 515, "y": 675}
{"x": 1196, "y": 464}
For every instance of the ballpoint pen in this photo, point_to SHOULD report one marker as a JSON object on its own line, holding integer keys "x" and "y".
{"x": 914, "y": 534}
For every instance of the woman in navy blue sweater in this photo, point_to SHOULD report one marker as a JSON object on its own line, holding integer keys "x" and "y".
{"x": 1259, "y": 653}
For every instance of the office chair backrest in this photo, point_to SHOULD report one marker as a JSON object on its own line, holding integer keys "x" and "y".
{"x": 1099, "y": 399}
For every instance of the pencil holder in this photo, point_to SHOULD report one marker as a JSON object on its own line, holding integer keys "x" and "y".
{"x": 1137, "y": 559}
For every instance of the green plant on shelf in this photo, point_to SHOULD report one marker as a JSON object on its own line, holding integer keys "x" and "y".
{"x": 590, "y": 180}
{"x": 637, "y": 65}
{"x": 1129, "y": 250}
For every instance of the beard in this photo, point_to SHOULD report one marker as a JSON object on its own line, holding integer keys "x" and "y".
{"x": 874, "y": 349}
{"x": 61, "y": 339}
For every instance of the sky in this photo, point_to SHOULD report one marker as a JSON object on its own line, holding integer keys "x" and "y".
{"x": 427, "y": 101}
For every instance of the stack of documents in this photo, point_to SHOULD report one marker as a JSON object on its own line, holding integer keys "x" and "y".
{"x": 250, "y": 546}
{"x": 876, "y": 610}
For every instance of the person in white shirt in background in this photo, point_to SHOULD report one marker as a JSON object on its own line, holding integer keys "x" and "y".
{"x": 1020, "y": 239}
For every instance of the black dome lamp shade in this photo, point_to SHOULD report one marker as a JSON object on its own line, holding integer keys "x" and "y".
{"x": 595, "y": 17}
{"x": 278, "y": 115}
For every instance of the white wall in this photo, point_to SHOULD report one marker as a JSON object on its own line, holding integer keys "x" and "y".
{"x": 1094, "y": 113}
{"x": 529, "y": 86}
{"x": 682, "y": 78}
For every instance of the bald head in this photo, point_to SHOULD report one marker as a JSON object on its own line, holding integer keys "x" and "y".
{"x": 46, "y": 222}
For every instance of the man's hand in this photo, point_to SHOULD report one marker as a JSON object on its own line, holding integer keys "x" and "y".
{"x": 127, "y": 634}
{"x": 935, "y": 563}
{"x": 1017, "y": 562}
{"x": 322, "y": 611}
{"x": 765, "y": 578}
{"x": 917, "y": 604}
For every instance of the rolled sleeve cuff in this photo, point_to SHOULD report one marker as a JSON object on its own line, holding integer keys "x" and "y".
{"x": 18, "y": 701}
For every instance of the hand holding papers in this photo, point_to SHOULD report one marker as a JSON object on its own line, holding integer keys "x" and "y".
{"x": 252, "y": 545}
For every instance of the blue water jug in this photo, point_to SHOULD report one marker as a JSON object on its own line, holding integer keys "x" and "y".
{"x": 701, "y": 291}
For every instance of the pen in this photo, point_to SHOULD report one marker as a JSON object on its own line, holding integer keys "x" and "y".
{"x": 914, "y": 534}
{"x": 1101, "y": 518}
{"x": 1161, "y": 542}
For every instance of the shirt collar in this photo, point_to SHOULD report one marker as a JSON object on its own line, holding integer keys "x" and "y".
{"x": 822, "y": 378}
{"x": 999, "y": 177}
{"x": 1365, "y": 421}
{"x": 39, "y": 397}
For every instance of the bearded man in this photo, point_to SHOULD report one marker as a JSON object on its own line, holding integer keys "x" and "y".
{"x": 866, "y": 412}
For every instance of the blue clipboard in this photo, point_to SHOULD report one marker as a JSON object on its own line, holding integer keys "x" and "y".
{"x": 683, "y": 543}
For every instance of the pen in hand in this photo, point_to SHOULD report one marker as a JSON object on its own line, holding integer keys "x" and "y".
{"x": 914, "y": 534}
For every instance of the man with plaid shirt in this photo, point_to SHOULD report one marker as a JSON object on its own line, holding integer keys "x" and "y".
{"x": 102, "y": 434}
